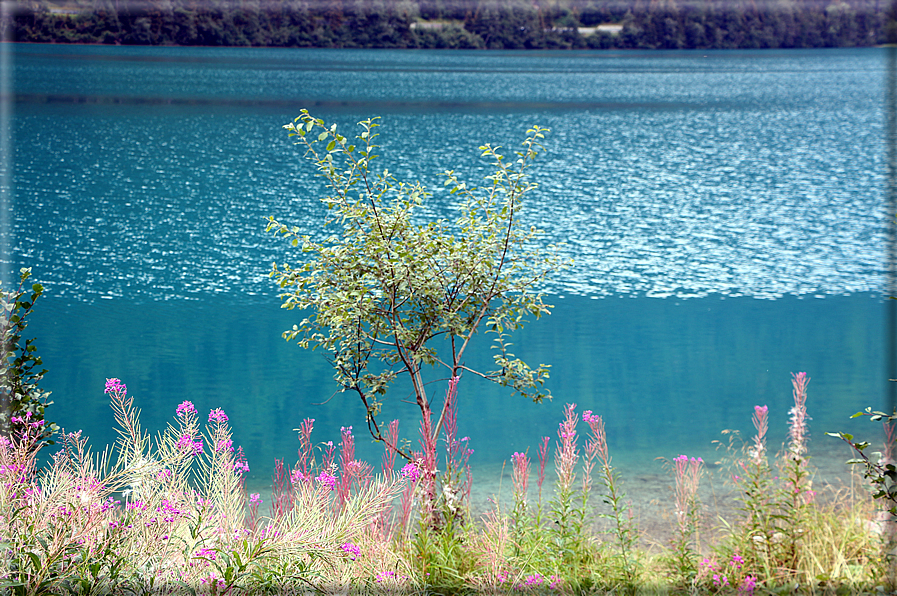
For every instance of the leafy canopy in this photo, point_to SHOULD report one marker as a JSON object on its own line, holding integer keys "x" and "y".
{"x": 385, "y": 285}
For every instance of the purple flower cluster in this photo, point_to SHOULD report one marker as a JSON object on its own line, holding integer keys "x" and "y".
{"x": 328, "y": 480}
{"x": 748, "y": 585}
{"x": 352, "y": 549}
{"x": 186, "y": 443}
{"x": 108, "y": 505}
{"x": 115, "y": 386}
{"x": 217, "y": 415}
{"x": 205, "y": 553}
{"x": 411, "y": 471}
{"x": 533, "y": 580}
{"x": 728, "y": 576}
{"x": 26, "y": 421}
{"x": 390, "y": 575}
{"x": 186, "y": 409}
{"x": 241, "y": 466}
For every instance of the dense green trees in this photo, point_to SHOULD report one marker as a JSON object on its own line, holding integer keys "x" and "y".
{"x": 496, "y": 24}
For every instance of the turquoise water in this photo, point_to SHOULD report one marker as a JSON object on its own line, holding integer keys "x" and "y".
{"x": 724, "y": 211}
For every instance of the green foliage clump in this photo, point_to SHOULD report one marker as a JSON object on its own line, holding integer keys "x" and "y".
{"x": 22, "y": 401}
{"x": 882, "y": 473}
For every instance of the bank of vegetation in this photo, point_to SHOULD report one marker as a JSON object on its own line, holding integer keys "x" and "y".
{"x": 456, "y": 24}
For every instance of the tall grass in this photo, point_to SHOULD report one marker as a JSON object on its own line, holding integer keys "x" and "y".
{"x": 171, "y": 513}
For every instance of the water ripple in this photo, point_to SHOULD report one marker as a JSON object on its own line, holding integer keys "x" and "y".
{"x": 676, "y": 178}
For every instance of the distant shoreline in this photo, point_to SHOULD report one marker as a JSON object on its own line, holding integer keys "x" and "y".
{"x": 485, "y": 24}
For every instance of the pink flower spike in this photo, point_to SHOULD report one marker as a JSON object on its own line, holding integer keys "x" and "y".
{"x": 185, "y": 409}
{"x": 217, "y": 415}
{"x": 411, "y": 471}
{"x": 327, "y": 480}
{"x": 116, "y": 386}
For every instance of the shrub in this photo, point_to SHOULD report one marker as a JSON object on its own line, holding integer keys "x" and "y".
{"x": 22, "y": 401}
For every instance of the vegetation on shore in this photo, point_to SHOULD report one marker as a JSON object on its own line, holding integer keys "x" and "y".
{"x": 171, "y": 514}
{"x": 456, "y": 24}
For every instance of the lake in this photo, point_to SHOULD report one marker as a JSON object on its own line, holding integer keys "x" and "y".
{"x": 724, "y": 212}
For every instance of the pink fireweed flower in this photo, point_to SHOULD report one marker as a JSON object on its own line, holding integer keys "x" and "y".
{"x": 108, "y": 505}
{"x": 185, "y": 409}
{"x": 352, "y": 549}
{"x": 411, "y": 471}
{"x": 241, "y": 466}
{"x": 390, "y": 576}
{"x": 588, "y": 417}
{"x": 761, "y": 423}
{"x": 798, "y": 427}
{"x": 567, "y": 454}
{"x": 186, "y": 443}
{"x": 205, "y": 553}
{"x": 328, "y": 480}
{"x": 217, "y": 415}
{"x": 747, "y": 585}
{"x": 224, "y": 445}
{"x": 521, "y": 476}
{"x": 543, "y": 459}
{"x": 297, "y": 477}
{"x": 533, "y": 580}
{"x": 116, "y": 386}
{"x": 255, "y": 499}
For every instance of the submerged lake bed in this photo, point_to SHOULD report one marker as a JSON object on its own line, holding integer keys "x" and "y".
{"x": 723, "y": 211}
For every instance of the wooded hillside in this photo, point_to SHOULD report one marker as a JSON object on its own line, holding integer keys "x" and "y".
{"x": 492, "y": 24}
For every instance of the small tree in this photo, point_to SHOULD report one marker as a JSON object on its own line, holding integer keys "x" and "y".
{"x": 383, "y": 288}
{"x": 22, "y": 401}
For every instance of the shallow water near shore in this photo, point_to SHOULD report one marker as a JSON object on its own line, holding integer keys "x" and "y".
{"x": 667, "y": 376}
